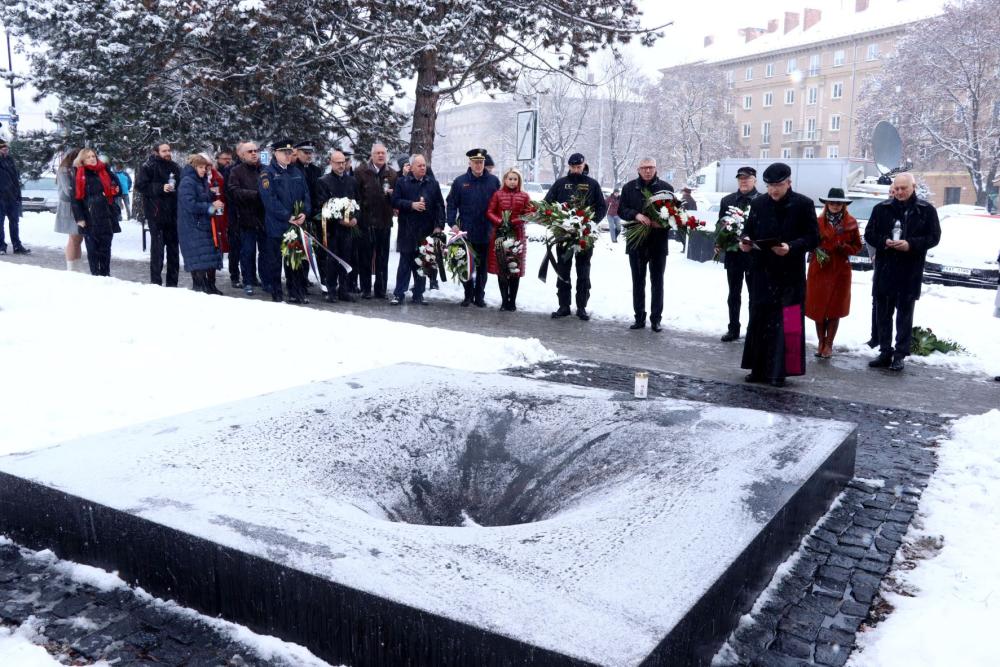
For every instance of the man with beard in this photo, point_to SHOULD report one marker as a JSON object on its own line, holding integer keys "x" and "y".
{"x": 779, "y": 231}
{"x": 339, "y": 233}
{"x": 901, "y": 230}
{"x": 376, "y": 182}
{"x": 283, "y": 191}
{"x": 649, "y": 253}
{"x": 248, "y": 214}
{"x": 582, "y": 190}
{"x": 737, "y": 263}
{"x": 468, "y": 200}
{"x": 158, "y": 179}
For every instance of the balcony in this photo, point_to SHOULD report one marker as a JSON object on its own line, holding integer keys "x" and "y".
{"x": 804, "y": 137}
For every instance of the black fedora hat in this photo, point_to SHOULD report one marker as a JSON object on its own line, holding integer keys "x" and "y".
{"x": 835, "y": 196}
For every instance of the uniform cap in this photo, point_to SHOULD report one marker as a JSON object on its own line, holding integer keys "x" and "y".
{"x": 489, "y": 160}
{"x": 476, "y": 154}
{"x": 305, "y": 146}
{"x": 283, "y": 145}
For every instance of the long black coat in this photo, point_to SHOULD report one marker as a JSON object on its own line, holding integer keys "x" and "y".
{"x": 901, "y": 273}
{"x": 414, "y": 226}
{"x": 160, "y": 207}
{"x": 792, "y": 220}
{"x": 10, "y": 181}
{"x": 194, "y": 223}
{"x": 100, "y": 215}
{"x": 736, "y": 259}
{"x": 631, "y": 204}
{"x": 244, "y": 198}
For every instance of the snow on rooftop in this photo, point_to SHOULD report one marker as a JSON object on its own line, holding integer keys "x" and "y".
{"x": 834, "y": 23}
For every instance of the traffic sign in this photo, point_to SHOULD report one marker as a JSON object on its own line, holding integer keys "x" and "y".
{"x": 527, "y": 134}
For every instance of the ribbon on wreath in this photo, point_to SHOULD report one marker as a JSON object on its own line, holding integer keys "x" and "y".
{"x": 459, "y": 237}
{"x": 439, "y": 244}
{"x": 311, "y": 255}
{"x": 543, "y": 270}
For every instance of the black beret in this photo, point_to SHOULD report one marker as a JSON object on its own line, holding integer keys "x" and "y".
{"x": 777, "y": 172}
{"x": 576, "y": 158}
{"x": 282, "y": 145}
{"x": 489, "y": 160}
{"x": 746, "y": 171}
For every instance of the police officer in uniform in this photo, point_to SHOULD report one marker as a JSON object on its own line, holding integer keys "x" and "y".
{"x": 583, "y": 190}
{"x": 737, "y": 263}
{"x": 283, "y": 189}
{"x": 467, "y": 203}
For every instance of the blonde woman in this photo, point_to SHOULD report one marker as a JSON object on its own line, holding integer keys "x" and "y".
{"x": 510, "y": 197}
{"x": 96, "y": 209}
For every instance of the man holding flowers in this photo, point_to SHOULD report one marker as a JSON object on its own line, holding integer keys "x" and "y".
{"x": 737, "y": 263}
{"x": 647, "y": 251}
{"x": 583, "y": 191}
{"x": 337, "y": 234}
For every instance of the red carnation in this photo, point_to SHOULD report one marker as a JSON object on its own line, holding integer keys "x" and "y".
{"x": 583, "y": 243}
{"x": 586, "y": 231}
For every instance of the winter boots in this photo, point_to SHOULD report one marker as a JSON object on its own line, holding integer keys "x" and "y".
{"x": 508, "y": 293}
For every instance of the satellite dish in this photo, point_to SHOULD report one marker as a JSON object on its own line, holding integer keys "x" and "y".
{"x": 887, "y": 148}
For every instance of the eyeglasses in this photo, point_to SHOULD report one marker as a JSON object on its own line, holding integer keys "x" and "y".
{"x": 253, "y": 150}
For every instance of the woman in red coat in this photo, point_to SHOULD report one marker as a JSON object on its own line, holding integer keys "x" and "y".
{"x": 828, "y": 284}
{"x": 510, "y": 197}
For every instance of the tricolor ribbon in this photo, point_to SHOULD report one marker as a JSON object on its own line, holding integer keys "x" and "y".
{"x": 312, "y": 256}
{"x": 459, "y": 237}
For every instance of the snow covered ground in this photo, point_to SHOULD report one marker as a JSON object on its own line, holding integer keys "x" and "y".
{"x": 84, "y": 354}
{"x": 695, "y": 298}
{"x": 947, "y": 593}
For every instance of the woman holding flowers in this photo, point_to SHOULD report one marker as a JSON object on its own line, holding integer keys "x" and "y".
{"x": 508, "y": 245}
{"x": 828, "y": 284}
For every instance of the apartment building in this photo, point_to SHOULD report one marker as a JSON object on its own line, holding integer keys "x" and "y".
{"x": 795, "y": 83}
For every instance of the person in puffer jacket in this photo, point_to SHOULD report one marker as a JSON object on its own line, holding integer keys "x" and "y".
{"x": 195, "y": 208}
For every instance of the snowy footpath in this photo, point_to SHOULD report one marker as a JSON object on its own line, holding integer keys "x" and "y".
{"x": 694, "y": 297}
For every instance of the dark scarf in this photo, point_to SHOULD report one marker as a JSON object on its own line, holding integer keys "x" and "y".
{"x": 836, "y": 220}
{"x": 102, "y": 172}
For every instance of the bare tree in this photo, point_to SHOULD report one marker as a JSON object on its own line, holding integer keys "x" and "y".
{"x": 942, "y": 86}
{"x": 688, "y": 115}
{"x": 624, "y": 128}
{"x": 564, "y": 106}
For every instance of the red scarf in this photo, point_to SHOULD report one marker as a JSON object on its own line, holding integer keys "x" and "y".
{"x": 102, "y": 172}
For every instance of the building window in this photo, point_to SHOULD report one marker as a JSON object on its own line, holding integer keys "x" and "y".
{"x": 749, "y": 74}
{"x": 729, "y": 78}
{"x": 764, "y": 153}
{"x": 812, "y": 95}
{"x": 808, "y": 152}
{"x": 765, "y": 132}
{"x": 835, "y": 123}
{"x": 768, "y": 99}
{"x": 747, "y": 101}
{"x": 786, "y": 153}
{"x": 952, "y": 196}
{"x": 872, "y": 52}
{"x": 837, "y": 91}
{"x": 729, "y": 106}
{"x": 814, "y": 64}
{"x": 786, "y": 126}
{"x": 746, "y": 130}
{"x": 838, "y": 58}
{"x": 833, "y": 150}
{"x": 810, "y": 128}
{"x": 790, "y": 96}
{"x": 791, "y": 66}
{"x": 768, "y": 70}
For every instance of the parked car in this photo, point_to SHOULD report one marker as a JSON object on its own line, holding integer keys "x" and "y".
{"x": 40, "y": 195}
{"x": 960, "y": 209}
{"x": 967, "y": 253}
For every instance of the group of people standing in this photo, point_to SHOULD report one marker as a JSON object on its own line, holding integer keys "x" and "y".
{"x": 782, "y": 236}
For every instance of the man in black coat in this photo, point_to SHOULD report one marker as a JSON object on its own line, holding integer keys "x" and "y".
{"x": 421, "y": 208}
{"x": 901, "y": 230}
{"x": 650, "y": 253}
{"x": 339, "y": 237}
{"x": 248, "y": 210}
{"x": 576, "y": 187}
{"x": 304, "y": 154}
{"x": 158, "y": 179}
{"x": 10, "y": 201}
{"x": 780, "y": 230}
{"x": 737, "y": 263}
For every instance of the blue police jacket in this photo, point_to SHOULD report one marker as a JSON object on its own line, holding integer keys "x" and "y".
{"x": 468, "y": 200}
{"x": 280, "y": 188}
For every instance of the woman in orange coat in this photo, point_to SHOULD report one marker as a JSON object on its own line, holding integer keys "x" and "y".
{"x": 828, "y": 283}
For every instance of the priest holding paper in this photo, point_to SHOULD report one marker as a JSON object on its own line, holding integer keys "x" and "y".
{"x": 780, "y": 229}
